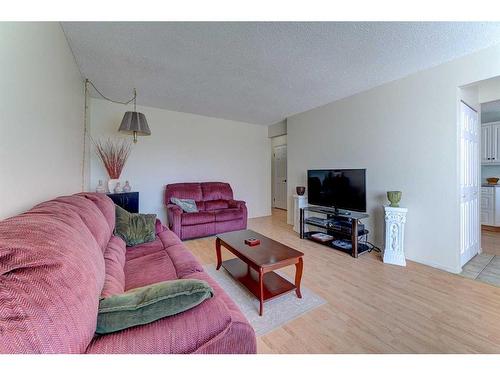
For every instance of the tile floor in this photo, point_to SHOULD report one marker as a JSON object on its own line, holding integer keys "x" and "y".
{"x": 485, "y": 267}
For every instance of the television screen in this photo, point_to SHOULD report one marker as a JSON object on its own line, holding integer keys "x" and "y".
{"x": 338, "y": 188}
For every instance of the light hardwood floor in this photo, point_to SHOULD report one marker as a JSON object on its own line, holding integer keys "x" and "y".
{"x": 377, "y": 308}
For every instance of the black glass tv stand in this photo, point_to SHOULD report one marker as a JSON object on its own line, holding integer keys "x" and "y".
{"x": 339, "y": 230}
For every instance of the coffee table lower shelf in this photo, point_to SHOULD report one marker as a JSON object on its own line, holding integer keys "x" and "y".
{"x": 274, "y": 284}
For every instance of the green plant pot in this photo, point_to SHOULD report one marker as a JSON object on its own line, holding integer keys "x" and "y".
{"x": 394, "y": 197}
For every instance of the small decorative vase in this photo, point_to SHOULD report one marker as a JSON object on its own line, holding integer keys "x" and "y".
{"x": 118, "y": 188}
{"x": 394, "y": 197}
{"x": 112, "y": 184}
{"x": 100, "y": 188}
{"x": 126, "y": 187}
{"x": 300, "y": 190}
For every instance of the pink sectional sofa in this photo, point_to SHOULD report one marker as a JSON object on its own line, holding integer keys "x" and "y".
{"x": 58, "y": 258}
{"x": 217, "y": 212}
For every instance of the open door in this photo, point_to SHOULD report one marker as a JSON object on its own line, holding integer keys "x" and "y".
{"x": 470, "y": 226}
{"x": 280, "y": 186}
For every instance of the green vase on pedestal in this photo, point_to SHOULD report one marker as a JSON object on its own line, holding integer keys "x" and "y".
{"x": 394, "y": 197}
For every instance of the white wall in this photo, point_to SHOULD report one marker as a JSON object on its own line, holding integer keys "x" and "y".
{"x": 405, "y": 133}
{"x": 41, "y": 109}
{"x": 185, "y": 148}
{"x": 488, "y": 171}
{"x": 489, "y": 90}
{"x": 490, "y": 117}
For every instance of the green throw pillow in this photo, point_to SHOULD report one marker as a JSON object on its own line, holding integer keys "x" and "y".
{"x": 147, "y": 304}
{"x": 187, "y": 205}
{"x": 134, "y": 229}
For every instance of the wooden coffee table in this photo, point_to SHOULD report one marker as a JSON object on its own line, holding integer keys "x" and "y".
{"x": 254, "y": 265}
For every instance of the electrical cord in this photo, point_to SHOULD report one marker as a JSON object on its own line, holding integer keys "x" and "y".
{"x": 85, "y": 119}
{"x": 372, "y": 246}
{"x": 111, "y": 100}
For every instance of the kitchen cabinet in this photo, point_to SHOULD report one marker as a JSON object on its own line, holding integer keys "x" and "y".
{"x": 490, "y": 143}
{"x": 490, "y": 205}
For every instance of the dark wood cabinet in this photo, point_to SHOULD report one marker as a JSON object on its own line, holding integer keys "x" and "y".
{"x": 127, "y": 201}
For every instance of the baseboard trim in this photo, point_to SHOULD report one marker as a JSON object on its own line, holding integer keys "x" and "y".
{"x": 437, "y": 265}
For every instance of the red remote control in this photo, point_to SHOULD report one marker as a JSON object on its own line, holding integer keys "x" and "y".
{"x": 252, "y": 241}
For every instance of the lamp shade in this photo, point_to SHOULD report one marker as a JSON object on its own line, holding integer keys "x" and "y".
{"x": 134, "y": 123}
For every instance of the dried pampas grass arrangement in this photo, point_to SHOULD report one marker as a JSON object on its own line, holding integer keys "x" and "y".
{"x": 113, "y": 154}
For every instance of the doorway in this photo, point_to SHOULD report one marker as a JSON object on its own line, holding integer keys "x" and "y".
{"x": 479, "y": 136}
{"x": 280, "y": 176}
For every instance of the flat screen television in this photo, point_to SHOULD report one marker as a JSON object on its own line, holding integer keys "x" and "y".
{"x": 342, "y": 189}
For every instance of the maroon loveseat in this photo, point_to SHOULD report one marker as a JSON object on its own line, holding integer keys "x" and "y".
{"x": 217, "y": 212}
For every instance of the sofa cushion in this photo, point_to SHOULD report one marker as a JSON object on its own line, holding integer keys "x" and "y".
{"x": 114, "y": 261}
{"x": 149, "y": 269}
{"x": 168, "y": 238}
{"x": 228, "y": 214}
{"x": 200, "y": 205}
{"x": 152, "y": 302}
{"x": 180, "y": 334}
{"x": 51, "y": 277}
{"x": 105, "y": 204}
{"x": 216, "y": 190}
{"x": 193, "y": 218}
{"x": 188, "y": 190}
{"x": 144, "y": 249}
{"x": 90, "y": 214}
{"x": 217, "y": 204}
{"x": 184, "y": 262}
{"x": 198, "y": 230}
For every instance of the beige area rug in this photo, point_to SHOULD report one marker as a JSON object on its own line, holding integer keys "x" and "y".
{"x": 277, "y": 312}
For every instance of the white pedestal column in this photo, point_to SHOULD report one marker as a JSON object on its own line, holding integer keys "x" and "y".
{"x": 395, "y": 219}
{"x": 299, "y": 201}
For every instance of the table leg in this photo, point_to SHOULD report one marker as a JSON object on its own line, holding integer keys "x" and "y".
{"x": 218, "y": 251}
{"x": 261, "y": 294}
{"x": 298, "y": 276}
{"x": 354, "y": 238}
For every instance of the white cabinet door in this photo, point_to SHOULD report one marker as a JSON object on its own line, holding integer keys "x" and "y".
{"x": 485, "y": 144}
{"x": 486, "y": 217}
{"x": 487, "y": 207}
{"x": 495, "y": 143}
{"x": 487, "y": 202}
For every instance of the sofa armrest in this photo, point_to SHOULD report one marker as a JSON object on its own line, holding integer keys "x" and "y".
{"x": 159, "y": 227}
{"x": 174, "y": 213}
{"x": 241, "y": 205}
{"x": 236, "y": 204}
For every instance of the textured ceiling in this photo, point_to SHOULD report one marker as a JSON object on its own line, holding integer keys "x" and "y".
{"x": 261, "y": 72}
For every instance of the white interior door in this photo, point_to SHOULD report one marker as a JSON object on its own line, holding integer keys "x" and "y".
{"x": 280, "y": 186}
{"x": 470, "y": 226}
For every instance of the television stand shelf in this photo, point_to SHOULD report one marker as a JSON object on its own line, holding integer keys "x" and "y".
{"x": 339, "y": 230}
